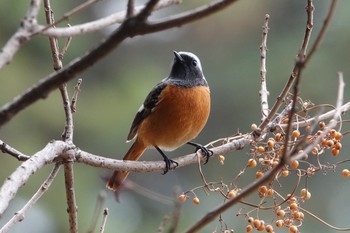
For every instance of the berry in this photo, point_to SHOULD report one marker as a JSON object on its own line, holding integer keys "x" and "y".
{"x": 279, "y": 223}
{"x": 249, "y": 228}
{"x": 252, "y": 163}
{"x": 258, "y": 174}
{"x": 285, "y": 173}
{"x": 231, "y": 194}
{"x": 182, "y": 198}
{"x": 196, "y": 201}
{"x": 260, "y": 149}
{"x": 304, "y": 193}
{"x": 278, "y": 137}
{"x": 293, "y": 229}
{"x": 253, "y": 127}
{"x": 296, "y": 133}
{"x": 271, "y": 143}
{"x": 345, "y": 173}
{"x": 295, "y": 164}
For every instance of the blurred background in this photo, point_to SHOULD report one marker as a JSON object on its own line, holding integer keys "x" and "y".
{"x": 112, "y": 91}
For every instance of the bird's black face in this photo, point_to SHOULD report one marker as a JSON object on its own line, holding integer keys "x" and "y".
{"x": 187, "y": 70}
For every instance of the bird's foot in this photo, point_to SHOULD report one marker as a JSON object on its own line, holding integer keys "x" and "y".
{"x": 168, "y": 162}
{"x": 205, "y": 151}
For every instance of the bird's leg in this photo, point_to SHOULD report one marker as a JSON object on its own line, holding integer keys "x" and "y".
{"x": 167, "y": 161}
{"x": 206, "y": 152}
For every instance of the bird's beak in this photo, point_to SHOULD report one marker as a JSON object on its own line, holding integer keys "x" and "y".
{"x": 178, "y": 56}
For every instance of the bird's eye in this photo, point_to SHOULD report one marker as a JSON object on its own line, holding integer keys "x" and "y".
{"x": 194, "y": 62}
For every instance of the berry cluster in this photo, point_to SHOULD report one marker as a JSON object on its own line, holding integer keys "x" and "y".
{"x": 306, "y": 147}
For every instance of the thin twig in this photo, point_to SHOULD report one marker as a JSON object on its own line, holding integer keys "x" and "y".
{"x": 293, "y": 75}
{"x": 5, "y": 148}
{"x": 71, "y": 13}
{"x": 130, "y": 12}
{"x": 72, "y": 208}
{"x": 264, "y": 93}
{"x": 99, "y": 203}
{"x": 104, "y": 220}
{"x": 99, "y": 24}
{"x": 75, "y": 95}
{"x": 22, "y": 34}
{"x": 19, "y": 216}
{"x": 57, "y": 62}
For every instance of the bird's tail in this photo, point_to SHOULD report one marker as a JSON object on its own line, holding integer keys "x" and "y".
{"x": 118, "y": 177}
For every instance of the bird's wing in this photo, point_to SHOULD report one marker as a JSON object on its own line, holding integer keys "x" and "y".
{"x": 146, "y": 108}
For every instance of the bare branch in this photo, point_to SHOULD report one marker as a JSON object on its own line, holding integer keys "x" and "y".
{"x": 293, "y": 75}
{"x": 22, "y": 34}
{"x": 72, "y": 209}
{"x": 75, "y": 67}
{"x": 19, "y": 216}
{"x": 264, "y": 93}
{"x": 99, "y": 203}
{"x": 99, "y": 24}
{"x": 75, "y": 95}
{"x": 57, "y": 62}
{"x": 104, "y": 221}
{"x": 22, "y": 174}
{"x": 12, "y": 151}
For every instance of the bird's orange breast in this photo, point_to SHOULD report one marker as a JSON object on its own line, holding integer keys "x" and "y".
{"x": 178, "y": 117}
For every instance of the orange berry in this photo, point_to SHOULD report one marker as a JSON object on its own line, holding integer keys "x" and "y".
{"x": 275, "y": 162}
{"x": 263, "y": 189}
{"x": 293, "y": 229}
{"x": 253, "y": 127}
{"x": 257, "y": 223}
{"x": 332, "y": 133}
{"x": 285, "y": 173}
{"x": 270, "y": 192}
{"x": 345, "y": 173}
{"x": 252, "y": 163}
{"x": 304, "y": 193}
{"x": 249, "y": 228}
{"x": 271, "y": 142}
{"x": 324, "y": 141}
{"x": 293, "y": 206}
{"x": 196, "y": 201}
{"x": 338, "y": 145}
{"x": 279, "y": 223}
{"x": 314, "y": 151}
{"x": 338, "y": 136}
{"x": 269, "y": 228}
{"x": 280, "y": 213}
{"x": 321, "y": 124}
{"x": 261, "y": 227}
{"x": 182, "y": 198}
{"x": 251, "y": 220}
{"x": 296, "y": 133}
{"x": 298, "y": 215}
{"x": 221, "y": 159}
{"x": 258, "y": 174}
{"x": 260, "y": 149}
{"x": 330, "y": 143}
{"x": 232, "y": 194}
{"x": 278, "y": 137}
{"x": 295, "y": 164}
{"x": 335, "y": 151}
{"x": 285, "y": 121}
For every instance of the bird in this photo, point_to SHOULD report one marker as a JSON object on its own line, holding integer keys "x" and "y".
{"x": 173, "y": 114}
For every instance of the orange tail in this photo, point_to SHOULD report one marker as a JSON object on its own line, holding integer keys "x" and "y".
{"x": 118, "y": 177}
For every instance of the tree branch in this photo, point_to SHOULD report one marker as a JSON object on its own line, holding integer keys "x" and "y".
{"x": 22, "y": 174}
{"x": 19, "y": 216}
{"x": 128, "y": 29}
{"x": 22, "y": 34}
